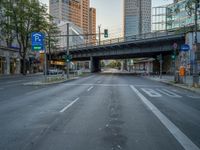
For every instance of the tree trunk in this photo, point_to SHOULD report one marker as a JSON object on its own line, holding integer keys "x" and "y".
{"x": 24, "y": 65}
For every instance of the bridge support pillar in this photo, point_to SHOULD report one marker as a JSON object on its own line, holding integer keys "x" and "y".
{"x": 95, "y": 64}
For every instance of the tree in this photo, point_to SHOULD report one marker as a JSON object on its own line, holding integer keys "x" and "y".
{"x": 26, "y": 16}
{"x": 6, "y": 28}
{"x": 52, "y": 32}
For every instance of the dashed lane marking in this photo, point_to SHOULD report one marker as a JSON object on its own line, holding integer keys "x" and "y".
{"x": 90, "y": 88}
{"x": 68, "y": 106}
{"x": 186, "y": 143}
{"x": 96, "y": 84}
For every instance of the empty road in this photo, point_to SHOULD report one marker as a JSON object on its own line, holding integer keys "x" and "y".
{"x": 99, "y": 112}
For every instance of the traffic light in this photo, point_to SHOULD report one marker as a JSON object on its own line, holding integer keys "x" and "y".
{"x": 68, "y": 58}
{"x": 106, "y": 33}
{"x": 175, "y": 53}
{"x": 173, "y": 57}
{"x": 159, "y": 57}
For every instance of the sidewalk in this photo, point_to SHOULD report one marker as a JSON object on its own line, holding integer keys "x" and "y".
{"x": 19, "y": 75}
{"x": 170, "y": 81}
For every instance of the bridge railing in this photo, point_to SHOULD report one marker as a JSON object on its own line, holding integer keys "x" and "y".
{"x": 124, "y": 39}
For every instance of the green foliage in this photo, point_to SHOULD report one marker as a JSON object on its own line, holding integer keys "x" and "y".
{"x": 22, "y": 18}
{"x": 102, "y": 64}
{"x": 114, "y": 64}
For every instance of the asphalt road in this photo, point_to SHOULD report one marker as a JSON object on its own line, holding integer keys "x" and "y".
{"x": 99, "y": 112}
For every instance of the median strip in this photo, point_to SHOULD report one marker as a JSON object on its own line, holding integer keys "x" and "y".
{"x": 68, "y": 106}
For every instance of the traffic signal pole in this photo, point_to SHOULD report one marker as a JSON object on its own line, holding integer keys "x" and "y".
{"x": 99, "y": 34}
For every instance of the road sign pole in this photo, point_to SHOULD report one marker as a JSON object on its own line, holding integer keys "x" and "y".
{"x": 175, "y": 46}
{"x": 45, "y": 65}
{"x": 68, "y": 62}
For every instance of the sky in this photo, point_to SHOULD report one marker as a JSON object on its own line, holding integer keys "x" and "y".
{"x": 110, "y": 13}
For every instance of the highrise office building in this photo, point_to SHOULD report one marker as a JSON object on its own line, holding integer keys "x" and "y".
{"x": 137, "y": 17}
{"x": 92, "y": 24}
{"x": 75, "y": 11}
{"x": 85, "y": 15}
{"x": 59, "y": 9}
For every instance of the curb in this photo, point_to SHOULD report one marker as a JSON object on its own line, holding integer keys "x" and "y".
{"x": 177, "y": 85}
{"x": 19, "y": 76}
{"x": 41, "y": 84}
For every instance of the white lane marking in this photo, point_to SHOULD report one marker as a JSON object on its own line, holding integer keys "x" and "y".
{"x": 148, "y": 86}
{"x": 151, "y": 92}
{"x": 90, "y": 88}
{"x": 66, "y": 107}
{"x": 193, "y": 97}
{"x": 168, "y": 93}
{"x": 175, "y": 131}
{"x": 97, "y": 84}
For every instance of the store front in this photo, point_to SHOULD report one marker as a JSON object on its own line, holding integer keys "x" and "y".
{"x": 9, "y": 61}
{"x": 2, "y": 65}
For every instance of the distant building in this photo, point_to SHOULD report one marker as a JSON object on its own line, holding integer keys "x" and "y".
{"x": 73, "y": 30}
{"x": 158, "y": 18}
{"x": 137, "y": 17}
{"x": 92, "y": 25}
{"x": 171, "y": 17}
{"x": 85, "y": 15}
{"x": 59, "y": 9}
{"x": 75, "y": 11}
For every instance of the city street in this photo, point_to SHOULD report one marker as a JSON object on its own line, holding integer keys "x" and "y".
{"x": 98, "y": 112}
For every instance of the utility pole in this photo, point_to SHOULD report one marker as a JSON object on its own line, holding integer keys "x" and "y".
{"x": 67, "y": 54}
{"x": 99, "y": 34}
{"x": 195, "y": 67}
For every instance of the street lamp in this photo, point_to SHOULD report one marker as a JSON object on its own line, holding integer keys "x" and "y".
{"x": 195, "y": 66}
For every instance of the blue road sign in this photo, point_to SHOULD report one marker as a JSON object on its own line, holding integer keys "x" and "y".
{"x": 37, "y": 40}
{"x": 185, "y": 48}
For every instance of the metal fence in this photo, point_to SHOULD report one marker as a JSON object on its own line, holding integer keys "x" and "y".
{"x": 151, "y": 35}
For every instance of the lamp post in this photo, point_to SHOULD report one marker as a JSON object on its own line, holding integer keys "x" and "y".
{"x": 195, "y": 67}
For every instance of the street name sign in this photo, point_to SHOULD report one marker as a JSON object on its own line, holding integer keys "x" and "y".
{"x": 185, "y": 47}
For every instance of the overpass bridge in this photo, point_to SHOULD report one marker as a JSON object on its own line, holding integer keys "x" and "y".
{"x": 144, "y": 45}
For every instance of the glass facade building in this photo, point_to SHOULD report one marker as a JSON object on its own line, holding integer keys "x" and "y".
{"x": 171, "y": 17}
{"x": 137, "y": 17}
{"x": 159, "y": 18}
